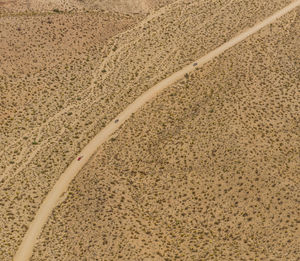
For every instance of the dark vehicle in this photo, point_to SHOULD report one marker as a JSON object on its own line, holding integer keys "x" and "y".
{"x": 195, "y": 64}
{"x": 116, "y": 121}
{"x": 79, "y": 158}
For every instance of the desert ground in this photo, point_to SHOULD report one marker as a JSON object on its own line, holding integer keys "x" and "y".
{"x": 208, "y": 170}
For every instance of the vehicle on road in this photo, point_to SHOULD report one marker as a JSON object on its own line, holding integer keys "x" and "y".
{"x": 79, "y": 158}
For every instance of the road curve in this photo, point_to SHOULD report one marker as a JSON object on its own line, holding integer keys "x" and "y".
{"x": 25, "y": 249}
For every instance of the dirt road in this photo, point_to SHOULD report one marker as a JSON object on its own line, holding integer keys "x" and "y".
{"x": 25, "y": 250}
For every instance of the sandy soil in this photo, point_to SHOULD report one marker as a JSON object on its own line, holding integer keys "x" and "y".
{"x": 207, "y": 171}
{"x": 40, "y": 144}
{"x": 47, "y": 61}
{"x": 50, "y": 66}
{"x": 65, "y": 179}
{"x": 63, "y": 7}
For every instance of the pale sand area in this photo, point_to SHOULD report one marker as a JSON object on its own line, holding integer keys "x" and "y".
{"x": 161, "y": 41}
{"x": 206, "y": 171}
{"x": 62, "y": 184}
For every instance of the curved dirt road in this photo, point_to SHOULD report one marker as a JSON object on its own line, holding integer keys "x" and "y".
{"x": 25, "y": 250}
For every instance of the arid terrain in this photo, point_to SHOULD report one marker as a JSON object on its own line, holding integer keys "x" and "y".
{"x": 208, "y": 170}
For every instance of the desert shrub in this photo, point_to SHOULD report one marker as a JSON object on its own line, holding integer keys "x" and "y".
{"x": 55, "y": 10}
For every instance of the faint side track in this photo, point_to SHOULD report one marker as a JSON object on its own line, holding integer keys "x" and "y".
{"x": 12, "y": 169}
{"x": 25, "y": 250}
{"x": 96, "y": 73}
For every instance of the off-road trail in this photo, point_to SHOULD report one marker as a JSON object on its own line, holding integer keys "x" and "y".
{"x": 25, "y": 250}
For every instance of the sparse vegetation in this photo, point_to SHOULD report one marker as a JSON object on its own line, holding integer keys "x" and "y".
{"x": 55, "y": 10}
{"x": 195, "y": 175}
